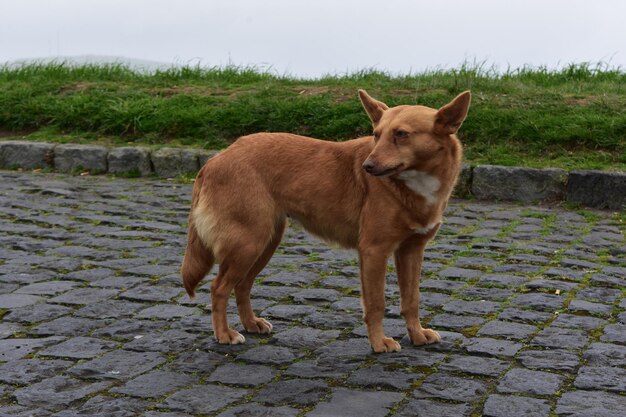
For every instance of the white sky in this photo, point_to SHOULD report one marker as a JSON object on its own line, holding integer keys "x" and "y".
{"x": 316, "y": 37}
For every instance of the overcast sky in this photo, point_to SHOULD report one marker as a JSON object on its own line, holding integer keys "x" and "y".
{"x": 314, "y": 37}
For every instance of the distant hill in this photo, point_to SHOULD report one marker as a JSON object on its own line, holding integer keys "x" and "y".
{"x": 142, "y": 65}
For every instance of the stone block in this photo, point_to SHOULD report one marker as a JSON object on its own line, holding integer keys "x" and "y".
{"x": 171, "y": 162}
{"x": 25, "y": 154}
{"x": 73, "y": 158}
{"x": 463, "y": 188}
{"x": 518, "y": 184}
{"x": 130, "y": 160}
{"x": 597, "y": 189}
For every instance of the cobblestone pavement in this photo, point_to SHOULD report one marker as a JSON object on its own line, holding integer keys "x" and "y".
{"x": 529, "y": 300}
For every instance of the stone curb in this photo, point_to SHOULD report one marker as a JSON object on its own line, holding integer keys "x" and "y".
{"x": 125, "y": 161}
{"x": 596, "y": 189}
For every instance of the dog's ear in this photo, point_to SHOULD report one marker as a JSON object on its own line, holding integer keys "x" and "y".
{"x": 373, "y": 107}
{"x": 450, "y": 117}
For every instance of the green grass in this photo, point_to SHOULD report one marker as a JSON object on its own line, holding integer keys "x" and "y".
{"x": 572, "y": 117}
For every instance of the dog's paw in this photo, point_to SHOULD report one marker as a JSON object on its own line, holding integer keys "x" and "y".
{"x": 424, "y": 336}
{"x": 231, "y": 337}
{"x": 385, "y": 344}
{"x": 258, "y": 325}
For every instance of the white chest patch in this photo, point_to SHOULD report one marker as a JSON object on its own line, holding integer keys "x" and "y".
{"x": 422, "y": 183}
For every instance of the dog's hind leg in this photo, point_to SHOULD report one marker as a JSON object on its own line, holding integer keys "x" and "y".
{"x": 250, "y": 321}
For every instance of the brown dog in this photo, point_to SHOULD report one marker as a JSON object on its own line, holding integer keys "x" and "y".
{"x": 382, "y": 195}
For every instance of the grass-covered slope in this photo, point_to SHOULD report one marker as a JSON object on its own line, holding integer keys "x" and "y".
{"x": 574, "y": 117}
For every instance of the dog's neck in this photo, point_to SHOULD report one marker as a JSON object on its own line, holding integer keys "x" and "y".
{"x": 421, "y": 183}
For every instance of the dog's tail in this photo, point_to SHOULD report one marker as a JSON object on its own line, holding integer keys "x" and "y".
{"x": 197, "y": 263}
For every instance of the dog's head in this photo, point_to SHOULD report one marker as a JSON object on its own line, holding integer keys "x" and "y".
{"x": 411, "y": 137}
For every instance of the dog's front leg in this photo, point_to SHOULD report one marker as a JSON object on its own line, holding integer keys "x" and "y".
{"x": 373, "y": 267}
{"x": 408, "y": 258}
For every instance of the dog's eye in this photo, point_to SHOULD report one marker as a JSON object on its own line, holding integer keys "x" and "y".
{"x": 400, "y": 134}
{"x": 376, "y": 136}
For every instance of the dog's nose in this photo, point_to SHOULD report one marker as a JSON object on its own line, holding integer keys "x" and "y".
{"x": 369, "y": 166}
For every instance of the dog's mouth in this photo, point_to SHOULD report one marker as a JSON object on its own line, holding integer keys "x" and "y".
{"x": 386, "y": 172}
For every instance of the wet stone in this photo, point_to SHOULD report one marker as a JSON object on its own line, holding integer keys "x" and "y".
{"x": 558, "y": 359}
{"x": 539, "y": 301}
{"x": 578, "y": 322}
{"x": 313, "y": 369}
{"x": 433, "y": 299}
{"x": 518, "y": 269}
{"x": 299, "y": 279}
{"x": 16, "y": 300}
{"x": 57, "y": 392}
{"x": 37, "y": 313}
{"x": 551, "y": 284}
{"x": 603, "y": 279}
{"x": 442, "y": 284}
{"x": 84, "y": 296}
{"x": 11, "y": 349}
{"x": 247, "y": 375}
{"x": 565, "y": 273}
{"x": 380, "y": 378}
{"x": 590, "y": 404}
{"x": 127, "y": 329}
{"x": 412, "y": 356}
{"x": 167, "y": 341}
{"x": 152, "y": 293}
{"x": 493, "y": 347}
{"x": 9, "y": 329}
{"x": 608, "y": 378}
{"x": 459, "y": 273}
{"x": 273, "y": 355}
{"x": 118, "y": 364}
{"x": 109, "y": 309}
{"x": 67, "y": 326}
{"x": 331, "y": 320}
{"x": 449, "y": 387}
{"x": 614, "y": 333}
{"x": 203, "y": 399}
{"x": 430, "y": 408}
{"x": 487, "y": 293}
{"x": 79, "y": 348}
{"x": 257, "y": 410}
{"x": 197, "y": 362}
{"x": 602, "y": 295}
{"x": 472, "y": 307}
{"x": 452, "y": 321}
{"x": 608, "y": 354}
{"x": 513, "y": 406}
{"x": 477, "y": 365}
{"x": 353, "y": 403}
{"x": 47, "y": 288}
{"x": 104, "y": 405}
{"x": 121, "y": 283}
{"x": 307, "y": 338}
{"x": 524, "y": 316}
{"x": 529, "y": 382}
{"x": 589, "y": 307}
{"x": 316, "y": 295}
{"x": 292, "y": 391}
{"x": 289, "y": 312}
{"x": 155, "y": 384}
{"x": 560, "y": 338}
{"x": 503, "y": 279}
{"x": 166, "y": 312}
{"x": 506, "y": 329}
{"x": 344, "y": 351}
{"x": 27, "y": 371}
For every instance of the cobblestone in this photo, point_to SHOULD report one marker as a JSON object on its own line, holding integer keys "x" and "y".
{"x": 93, "y": 320}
